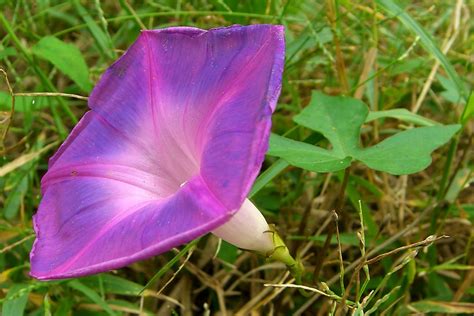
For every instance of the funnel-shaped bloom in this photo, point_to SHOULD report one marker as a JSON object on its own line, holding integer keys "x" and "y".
{"x": 176, "y": 133}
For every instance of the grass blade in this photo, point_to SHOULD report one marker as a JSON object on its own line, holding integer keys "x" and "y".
{"x": 66, "y": 57}
{"x": 16, "y": 300}
{"x": 92, "y": 295}
{"x": 468, "y": 112}
{"x": 103, "y": 41}
{"x": 170, "y": 264}
{"x": 394, "y": 9}
{"x": 267, "y": 176}
{"x": 402, "y": 115}
{"x": 43, "y": 77}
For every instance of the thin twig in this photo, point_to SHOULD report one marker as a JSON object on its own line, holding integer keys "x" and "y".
{"x": 210, "y": 282}
{"x": 134, "y": 14}
{"x": 296, "y": 286}
{"x": 20, "y": 161}
{"x": 370, "y": 58}
{"x": 244, "y": 310}
{"x": 12, "y": 111}
{"x": 428, "y": 241}
{"x": 339, "y": 203}
{"x": 19, "y": 242}
{"x": 459, "y": 164}
{"x": 373, "y": 251}
{"x": 340, "y": 65}
{"x": 51, "y": 94}
{"x": 190, "y": 252}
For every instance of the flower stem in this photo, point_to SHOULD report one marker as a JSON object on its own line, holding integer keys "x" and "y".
{"x": 281, "y": 254}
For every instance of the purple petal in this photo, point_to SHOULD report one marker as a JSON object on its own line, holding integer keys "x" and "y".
{"x": 219, "y": 99}
{"x": 106, "y": 224}
{"x": 175, "y": 137}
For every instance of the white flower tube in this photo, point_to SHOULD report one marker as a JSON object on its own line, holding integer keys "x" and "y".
{"x": 248, "y": 230}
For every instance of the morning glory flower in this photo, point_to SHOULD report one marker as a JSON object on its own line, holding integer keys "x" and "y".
{"x": 176, "y": 134}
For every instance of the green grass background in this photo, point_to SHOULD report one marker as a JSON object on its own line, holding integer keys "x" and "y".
{"x": 416, "y": 55}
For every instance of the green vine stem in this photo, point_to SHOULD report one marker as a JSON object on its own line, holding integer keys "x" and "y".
{"x": 281, "y": 254}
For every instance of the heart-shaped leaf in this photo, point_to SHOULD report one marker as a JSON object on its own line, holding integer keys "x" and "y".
{"x": 340, "y": 119}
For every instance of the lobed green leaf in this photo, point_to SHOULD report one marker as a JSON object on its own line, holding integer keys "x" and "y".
{"x": 340, "y": 120}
